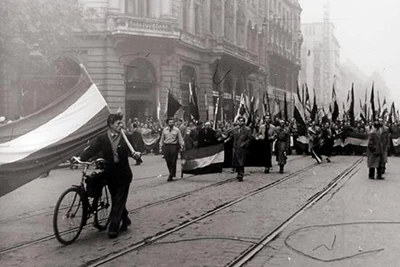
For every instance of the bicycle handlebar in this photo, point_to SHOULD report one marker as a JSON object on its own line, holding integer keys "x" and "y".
{"x": 78, "y": 160}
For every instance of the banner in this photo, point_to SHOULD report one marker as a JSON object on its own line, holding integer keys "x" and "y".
{"x": 203, "y": 160}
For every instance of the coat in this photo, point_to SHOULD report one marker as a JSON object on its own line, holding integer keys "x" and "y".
{"x": 117, "y": 173}
{"x": 207, "y": 137}
{"x": 241, "y": 143}
{"x": 282, "y": 144}
{"x": 376, "y": 148}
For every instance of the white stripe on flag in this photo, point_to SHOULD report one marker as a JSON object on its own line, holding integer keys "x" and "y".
{"x": 64, "y": 124}
{"x": 207, "y": 161}
{"x": 396, "y": 141}
{"x": 355, "y": 141}
{"x": 303, "y": 139}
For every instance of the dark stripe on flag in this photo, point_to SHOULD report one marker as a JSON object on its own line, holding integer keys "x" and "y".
{"x": 18, "y": 173}
{"x": 18, "y": 128}
{"x": 203, "y": 160}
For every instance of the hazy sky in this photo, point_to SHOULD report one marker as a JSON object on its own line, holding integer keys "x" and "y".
{"x": 368, "y": 32}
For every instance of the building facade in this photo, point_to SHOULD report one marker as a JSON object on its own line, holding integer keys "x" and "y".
{"x": 143, "y": 48}
{"x": 320, "y": 58}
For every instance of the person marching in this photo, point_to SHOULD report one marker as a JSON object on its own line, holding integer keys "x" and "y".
{"x": 267, "y": 133}
{"x": 171, "y": 143}
{"x": 115, "y": 150}
{"x": 325, "y": 140}
{"x": 281, "y": 145}
{"x": 385, "y": 143}
{"x": 241, "y": 141}
{"x": 375, "y": 151}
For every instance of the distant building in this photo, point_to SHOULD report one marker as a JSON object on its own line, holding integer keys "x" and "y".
{"x": 320, "y": 58}
{"x": 143, "y": 48}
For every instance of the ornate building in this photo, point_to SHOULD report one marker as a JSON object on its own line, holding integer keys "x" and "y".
{"x": 143, "y": 48}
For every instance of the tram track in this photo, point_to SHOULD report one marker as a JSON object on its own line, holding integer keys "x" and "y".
{"x": 247, "y": 255}
{"x": 146, "y": 206}
{"x": 164, "y": 233}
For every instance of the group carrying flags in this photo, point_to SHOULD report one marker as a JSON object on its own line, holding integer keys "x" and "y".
{"x": 38, "y": 143}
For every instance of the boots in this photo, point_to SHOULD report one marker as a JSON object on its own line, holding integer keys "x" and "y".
{"x": 379, "y": 174}
{"x": 371, "y": 174}
{"x": 281, "y": 168}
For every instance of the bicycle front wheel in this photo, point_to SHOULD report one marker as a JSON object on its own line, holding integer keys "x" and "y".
{"x": 69, "y": 216}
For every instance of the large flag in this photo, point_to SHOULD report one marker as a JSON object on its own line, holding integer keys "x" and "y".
{"x": 251, "y": 110}
{"x": 216, "y": 109}
{"x": 193, "y": 104}
{"x": 379, "y": 106}
{"x": 334, "y": 105}
{"x": 392, "y": 114}
{"x": 203, "y": 160}
{"x": 173, "y": 105}
{"x": 38, "y": 143}
{"x": 298, "y": 113}
{"x": 362, "y": 112}
{"x": 372, "y": 100}
{"x": 277, "y": 108}
{"x": 351, "y": 108}
{"x": 314, "y": 110}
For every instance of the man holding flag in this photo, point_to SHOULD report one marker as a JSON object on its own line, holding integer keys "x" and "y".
{"x": 115, "y": 150}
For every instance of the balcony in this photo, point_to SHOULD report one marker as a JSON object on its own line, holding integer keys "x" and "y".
{"x": 226, "y": 46}
{"x": 142, "y": 26}
{"x": 192, "y": 40}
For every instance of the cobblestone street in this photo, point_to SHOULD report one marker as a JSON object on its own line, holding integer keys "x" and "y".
{"x": 210, "y": 220}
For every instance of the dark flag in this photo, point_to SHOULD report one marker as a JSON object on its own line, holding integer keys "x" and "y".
{"x": 252, "y": 111}
{"x": 392, "y": 113}
{"x": 384, "y": 109}
{"x": 173, "y": 105}
{"x": 216, "y": 109}
{"x": 379, "y": 106}
{"x": 285, "y": 109}
{"x": 267, "y": 109}
{"x": 372, "y": 100}
{"x": 362, "y": 112}
{"x": 351, "y": 109}
{"x": 314, "y": 110}
{"x": 298, "y": 113}
{"x": 307, "y": 103}
{"x": 335, "y": 108}
{"x": 193, "y": 106}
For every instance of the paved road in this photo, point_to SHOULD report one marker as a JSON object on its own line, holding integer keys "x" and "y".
{"x": 211, "y": 219}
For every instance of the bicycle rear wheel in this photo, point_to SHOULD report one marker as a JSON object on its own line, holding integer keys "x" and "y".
{"x": 69, "y": 216}
{"x": 102, "y": 206}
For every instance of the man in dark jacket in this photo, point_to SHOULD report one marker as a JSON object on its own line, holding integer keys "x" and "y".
{"x": 207, "y": 136}
{"x": 375, "y": 151}
{"x": 241, "y": 141}
{"x": 112, "y": 147}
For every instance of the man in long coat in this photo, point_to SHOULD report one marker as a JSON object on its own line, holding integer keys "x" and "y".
{"x": 385, "y": 143}
{"x": 281, "y": 146}
{"x": 241, "y": 141}
{"x": 267, "y": 133}
{"x": 375, "y": 151}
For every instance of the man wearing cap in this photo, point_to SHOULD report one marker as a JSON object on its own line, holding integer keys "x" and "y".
{"x": 171, "y": 143}
{"x": 114, "y": 149}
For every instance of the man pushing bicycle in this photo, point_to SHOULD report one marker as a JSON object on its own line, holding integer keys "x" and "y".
{"x": 115, "y": 148}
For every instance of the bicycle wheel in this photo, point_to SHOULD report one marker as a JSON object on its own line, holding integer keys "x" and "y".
{"x": 101, "y": 207}
{"x": 69, "y": 216}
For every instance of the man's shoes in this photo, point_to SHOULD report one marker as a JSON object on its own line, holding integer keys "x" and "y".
{"x": 328, "y": 160}
{"x": 371, "y": 177}
{"x": 266, "y": 170}
{"x": 113, "y": 230}
{"x": 170, "y": 178}
{"x": 380, "y": 178}
{"x": 240, "y": 178}
{"x": 125, "y": 223}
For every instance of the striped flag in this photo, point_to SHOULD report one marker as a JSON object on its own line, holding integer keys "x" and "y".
{"x": 298, "y": 112}
{"x": 38, "y": 143}
{"x": 203, "y": 160}
{"x": 372, "y": 101}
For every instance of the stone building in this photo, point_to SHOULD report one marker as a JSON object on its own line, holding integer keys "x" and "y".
{"x": 143, "y": 48}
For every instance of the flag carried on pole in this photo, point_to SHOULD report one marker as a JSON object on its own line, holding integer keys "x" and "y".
{"x": 307, "y": 104}
{"x": 384, "y": 109}
{"x": 243, "y": 110}
{"x": 334, "y": 105}
{"x": 372, "y": 101}
{"x": 298, "y": 113}
{"x": 216, "y": 108}
{"x": 277, "y": 108}
{"x": 285, "y": 109}
{"x": 379, "y": 106}
{"x": 314, "y": 110}
{"x": 193, "y": 106}
{"x": 38, "y": 143}
{"x": 173, "y": 105}
{"x": 267, "y": 109}
{"x": 351, "y": 109}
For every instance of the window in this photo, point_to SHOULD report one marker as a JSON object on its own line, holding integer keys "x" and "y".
{"x": 139, "y": 8}
{"x": 197, "y": 21}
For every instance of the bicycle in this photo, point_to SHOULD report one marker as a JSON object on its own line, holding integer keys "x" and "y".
{"x": 89, "y": 198}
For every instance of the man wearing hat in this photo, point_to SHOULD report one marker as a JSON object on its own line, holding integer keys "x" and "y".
{"x": 171, "y": 143}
